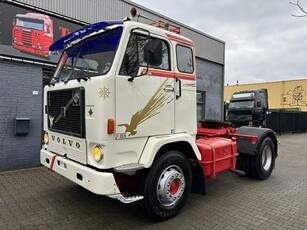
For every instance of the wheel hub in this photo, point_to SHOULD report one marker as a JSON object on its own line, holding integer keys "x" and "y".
{"x": 267, "y": 156}
{"x": 170, "y": 186}
{"x": 174, "y": 186}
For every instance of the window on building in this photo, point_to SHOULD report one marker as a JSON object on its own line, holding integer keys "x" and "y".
{"x": 134, "y": 55}
{"x": 200, "y": 99}
{"x": 184, "y": 59}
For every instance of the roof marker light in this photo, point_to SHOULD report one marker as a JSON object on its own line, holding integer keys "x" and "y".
{"x": 133, "y": 12}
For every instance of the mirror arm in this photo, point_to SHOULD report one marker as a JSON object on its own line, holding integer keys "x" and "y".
{"x": 140, "y": 75}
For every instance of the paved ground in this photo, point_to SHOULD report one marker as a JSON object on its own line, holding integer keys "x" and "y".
{"x": 37, "y": 199}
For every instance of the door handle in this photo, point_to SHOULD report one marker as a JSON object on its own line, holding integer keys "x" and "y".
{"x": 178, "y": 96}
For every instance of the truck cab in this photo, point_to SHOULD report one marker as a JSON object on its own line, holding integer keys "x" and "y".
{"x": 121, "y": 91}
{"x": 248, "y": 108}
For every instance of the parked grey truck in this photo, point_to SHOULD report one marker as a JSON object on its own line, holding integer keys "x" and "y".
{"x": 248, "y": 108}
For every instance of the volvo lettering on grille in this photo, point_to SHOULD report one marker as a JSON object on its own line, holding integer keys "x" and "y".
{"x": 65, "y": 141}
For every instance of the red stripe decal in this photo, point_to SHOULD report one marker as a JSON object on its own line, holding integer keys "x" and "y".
{"x": 180, "y": 39}
{"x": 185, "y": 76}
{"x": 159, "y": 73}
{"x": 52, "y": 162}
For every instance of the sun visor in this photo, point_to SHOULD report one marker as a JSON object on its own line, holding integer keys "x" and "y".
{"x": 61, "y": 43}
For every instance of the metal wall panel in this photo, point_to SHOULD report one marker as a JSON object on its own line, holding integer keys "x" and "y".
{"x": 91, "y": 11}
{"x": 287, "y": 121}
{"x": 210, "y": 80}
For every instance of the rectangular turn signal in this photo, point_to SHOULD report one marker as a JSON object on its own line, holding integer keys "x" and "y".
{"x": 111, "y": 126}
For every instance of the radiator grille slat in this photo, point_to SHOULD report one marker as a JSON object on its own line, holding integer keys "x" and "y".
{"x": 26, "y": 38}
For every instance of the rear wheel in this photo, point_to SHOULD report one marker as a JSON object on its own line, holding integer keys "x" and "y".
{"x": 167, "y": 186}
{"x": 261, "y": 166}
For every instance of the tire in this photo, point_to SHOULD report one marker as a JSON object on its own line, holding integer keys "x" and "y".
{"x": 167, "y": 186}
{"x": 261, "y": 166}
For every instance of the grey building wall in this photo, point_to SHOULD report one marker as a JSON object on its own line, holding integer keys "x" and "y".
{"x": 210, "y": 80}
{"x": 207, "y": 47}
{"x": 17, "y": 83}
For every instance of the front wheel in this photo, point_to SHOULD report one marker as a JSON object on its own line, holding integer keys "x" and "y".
{"x": 167, "y": 186}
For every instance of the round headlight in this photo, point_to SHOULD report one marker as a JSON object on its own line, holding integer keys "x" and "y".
{"x": 46, "y": 138}
{"x": 97, "y": 153}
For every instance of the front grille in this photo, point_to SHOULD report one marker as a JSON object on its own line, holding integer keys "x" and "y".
{"x": 26, "y": 38}
{"x": 65, "y": 110}
{"x": 242, "y": 118}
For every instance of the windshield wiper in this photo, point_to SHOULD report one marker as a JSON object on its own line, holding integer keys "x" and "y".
{"x": 74, "y": 63}
{"x": 53, "y": 81}
{"x": 86, "y": 77}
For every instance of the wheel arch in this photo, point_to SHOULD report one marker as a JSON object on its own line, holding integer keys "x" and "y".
{"x": 157, "y": 146}
{"x": 275, "y": 142}
{"x": 181, "y": 146}
{"x": 246, "y": 147}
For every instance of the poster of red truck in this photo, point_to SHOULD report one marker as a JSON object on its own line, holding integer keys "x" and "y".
{"x": 32, "y": 33}
{"x": 28, "y": 33}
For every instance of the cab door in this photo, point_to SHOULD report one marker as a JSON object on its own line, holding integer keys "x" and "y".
{"x": 145, "y": 88}
{"x": 185, "y": 99}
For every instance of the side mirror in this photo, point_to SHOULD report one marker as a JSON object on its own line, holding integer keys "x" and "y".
{"x": 153, "y": 52}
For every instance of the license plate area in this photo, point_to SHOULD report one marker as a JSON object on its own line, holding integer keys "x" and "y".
{"x": 61, "y": 164}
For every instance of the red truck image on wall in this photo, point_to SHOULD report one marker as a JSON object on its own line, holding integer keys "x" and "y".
{"x": 28, "y": 33}
{"x": 32, "y": 33}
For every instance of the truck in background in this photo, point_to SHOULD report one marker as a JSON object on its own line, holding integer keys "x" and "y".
{"x": 248, "y": 108}
{"x": 33, "y": 33}
{"x": 120, "y": 120}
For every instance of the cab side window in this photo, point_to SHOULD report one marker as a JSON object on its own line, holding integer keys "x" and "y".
{"x": 184, "y": 59}
{"x": 134, "y": 55}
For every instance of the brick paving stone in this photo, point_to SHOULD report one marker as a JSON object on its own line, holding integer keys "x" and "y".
{"x": 38, "y": 199}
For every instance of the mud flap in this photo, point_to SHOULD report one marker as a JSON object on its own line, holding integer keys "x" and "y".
{"x": 198, "y": 184}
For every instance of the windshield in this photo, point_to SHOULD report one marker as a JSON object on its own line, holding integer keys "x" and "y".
{"x": 30, "y": 23}
{"x": 90, "y": 57}
{"x": 241, "y": 104}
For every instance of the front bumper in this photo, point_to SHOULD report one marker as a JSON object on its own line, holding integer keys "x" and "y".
{"x": 101, "y": 183}
{"x": 31, "y": 50}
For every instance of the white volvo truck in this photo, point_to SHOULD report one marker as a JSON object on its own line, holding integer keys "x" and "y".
{"x": 120, "y": 119}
